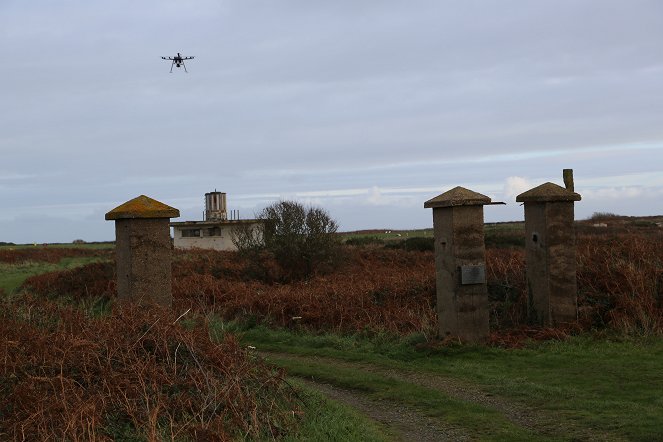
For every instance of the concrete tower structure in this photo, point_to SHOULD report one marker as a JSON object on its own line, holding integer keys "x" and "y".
{"x": 143, "y": 251}
{"x": 462, "y": 295}
{"x": 550, "y": 252}
{"x": 215, "y": 206}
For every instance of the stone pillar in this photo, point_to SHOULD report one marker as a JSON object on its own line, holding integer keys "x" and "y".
{"x": 462, "y": 295}
{"x": 550, "y": 253}
{"x": 143, "y": 251}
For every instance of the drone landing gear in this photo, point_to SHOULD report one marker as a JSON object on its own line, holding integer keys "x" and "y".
{"x": 178, "y": 65}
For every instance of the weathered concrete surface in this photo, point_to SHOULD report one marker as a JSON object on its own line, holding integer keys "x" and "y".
{"x": 459, "y": 241}
{"x": 143, "y": 258}
{"x": 550, "y": 252}
{"x": 143, "y": 251}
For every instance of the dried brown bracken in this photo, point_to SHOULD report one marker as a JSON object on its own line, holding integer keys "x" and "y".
{"x": 620, "y": 286}
{"x": 135, "y": 372}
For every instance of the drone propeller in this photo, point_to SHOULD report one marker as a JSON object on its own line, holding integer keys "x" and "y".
{"x": 177, "y": 60}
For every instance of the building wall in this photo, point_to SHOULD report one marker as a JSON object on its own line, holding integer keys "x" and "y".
{"x": 220, "y": 242}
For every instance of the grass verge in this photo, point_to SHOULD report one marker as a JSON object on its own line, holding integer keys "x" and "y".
{"x": 331, "y": 421}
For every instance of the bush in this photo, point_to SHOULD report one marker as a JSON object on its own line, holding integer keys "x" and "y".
{"x": 420, "y": 244}
{"x": 505, "y": 239}
{"x": 85, "y": 282}
{"x": 598, "y": 216}
{"x": 416, "y": 244}
{"x": 47, "y": 254}
{"x": 364, "y": 241}
{"x": 302, "y": 239}
{"x": 377, "y": 290}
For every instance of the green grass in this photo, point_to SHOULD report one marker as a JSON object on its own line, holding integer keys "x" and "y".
{"x": 592, "y": 385}
{"x": 508, "y": 234}
{"x": 100, "y": 245}
{"x": 13, "y": 275}
{"x": 481, "y": 422}
{"x": 326, "y": 420}
{"x": 394, "y": 235}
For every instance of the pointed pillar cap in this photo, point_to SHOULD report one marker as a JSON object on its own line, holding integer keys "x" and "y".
{"x": 458, "y": 196}
{"x": 547, "y": 192}
{"x": 142, "y": 207}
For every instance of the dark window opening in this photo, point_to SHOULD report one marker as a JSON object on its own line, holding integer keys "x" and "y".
{"x": 212, "y": 231}
{"x": 190, "y": 233}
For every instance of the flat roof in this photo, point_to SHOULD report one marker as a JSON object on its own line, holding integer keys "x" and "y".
{"x": 225, "y": 222}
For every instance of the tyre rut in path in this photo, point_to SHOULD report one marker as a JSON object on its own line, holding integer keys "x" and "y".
{"x": 519, "y": 415}
{"x": 402, "y": 422}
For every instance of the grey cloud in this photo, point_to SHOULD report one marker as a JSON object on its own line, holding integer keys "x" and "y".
{"x": 293, "y": 96}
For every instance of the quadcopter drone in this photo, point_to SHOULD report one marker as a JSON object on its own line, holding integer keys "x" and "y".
{"x": 178, "y": 61}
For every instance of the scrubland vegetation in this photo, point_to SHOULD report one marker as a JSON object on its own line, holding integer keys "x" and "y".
{"x": 73, "y": 356}
{"x": 385, "y": 289}
{"x": 131, "y": 373}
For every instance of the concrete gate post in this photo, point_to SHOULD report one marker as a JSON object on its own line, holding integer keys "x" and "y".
{"x": 143, "y": 251}
{"x": 462, "y": 296}
{"x": 550, "y": 252}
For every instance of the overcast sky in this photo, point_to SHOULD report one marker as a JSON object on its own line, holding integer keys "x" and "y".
{"x": 366, "y": 108}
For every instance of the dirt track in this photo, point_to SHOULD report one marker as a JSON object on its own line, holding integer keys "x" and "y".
{"x": 408, "y": 423}
{"x": 402, "y": 422}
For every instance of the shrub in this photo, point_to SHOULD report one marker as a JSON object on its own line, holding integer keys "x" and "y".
{"x": 88, "y": 281}
{"x": 620, "y": 282}
{"x": 361, "y": 241}
{"x": 47, "y": 254}
{"x": 302, "y": 239}
{"x": 597, "y": 216}
{"x": 507, "y": 287}
{"x": 376, "y": 290}
{"x": 620, "y": 286}
{"x": 418, "y": 244}
{"x": 505, "y": 238}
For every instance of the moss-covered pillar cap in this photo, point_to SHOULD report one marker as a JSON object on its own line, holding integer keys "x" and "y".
{"x": 142, "y": 207}
{"x": 458, "y": 196}
{"x": 547, "y": 192}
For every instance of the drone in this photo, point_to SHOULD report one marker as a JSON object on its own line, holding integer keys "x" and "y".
{"x": 178, "y": 61}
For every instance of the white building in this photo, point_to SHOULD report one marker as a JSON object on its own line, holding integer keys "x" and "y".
{"x": 216, "y": 230}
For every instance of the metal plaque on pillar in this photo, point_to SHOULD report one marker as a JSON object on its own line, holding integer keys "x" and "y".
{"x": 473, "y": 274}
